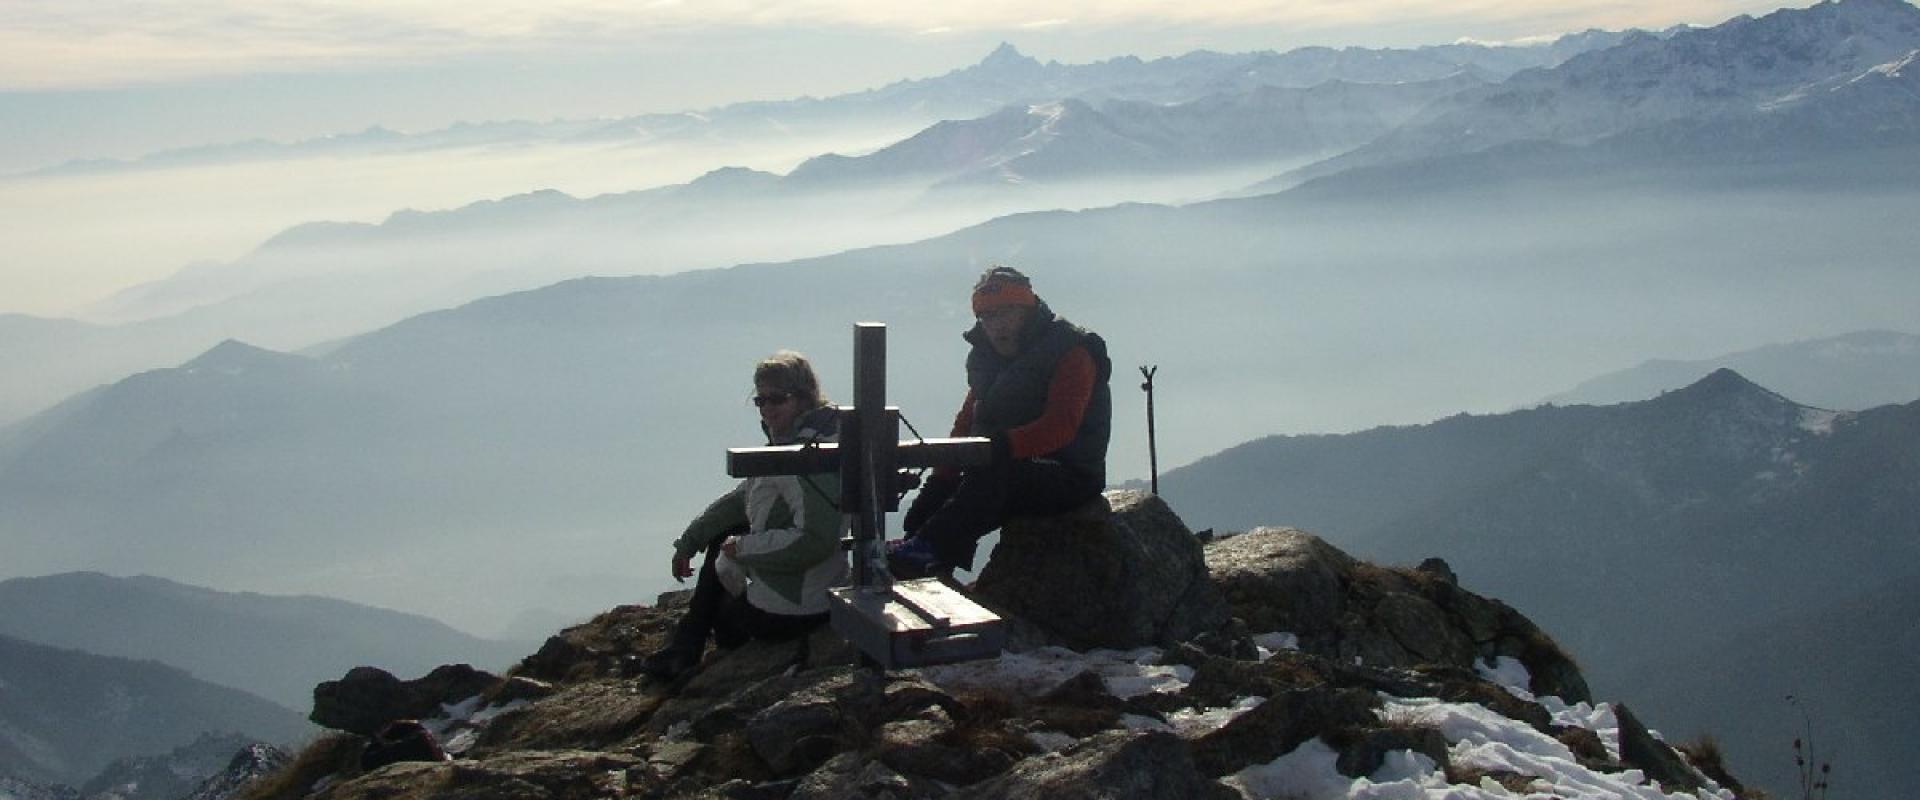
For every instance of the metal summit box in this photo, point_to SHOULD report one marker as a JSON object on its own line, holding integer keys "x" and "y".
{"x": 916, "y": 623}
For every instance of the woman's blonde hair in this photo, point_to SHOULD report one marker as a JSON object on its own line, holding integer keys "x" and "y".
{"x": 790, "y": 372}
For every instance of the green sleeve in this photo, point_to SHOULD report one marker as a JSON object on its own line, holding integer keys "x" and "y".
{"x": 724, "y": 513}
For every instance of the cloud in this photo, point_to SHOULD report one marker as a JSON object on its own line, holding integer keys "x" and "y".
{"x": 118, "y": 42}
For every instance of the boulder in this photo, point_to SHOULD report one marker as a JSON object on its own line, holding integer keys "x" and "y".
{"x": 1282, "y": 723}
{"x": 368, "y": 698}
{"x": 1367, "y": 751}
{"x": 1281, "y": 579}
{"x": 1116, "y": 764}
{"x": 1288, "y": 580}
{"x": 927, "y": 748}
{"x": 509, "y": 776}
{"x": 1639, "y": 749}
{"x": 595, "y": 714}
{"x": 1120, "y": 573}
{"x": 607, "y": 645}
{"x": 852, "y": 775}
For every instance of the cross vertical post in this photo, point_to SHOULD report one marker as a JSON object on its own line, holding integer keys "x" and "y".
{"x": 867, "y": 478}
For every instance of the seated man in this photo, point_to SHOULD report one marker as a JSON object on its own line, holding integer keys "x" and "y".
{"x": 772, "y": 544}
{"x": 1037, "y": 386}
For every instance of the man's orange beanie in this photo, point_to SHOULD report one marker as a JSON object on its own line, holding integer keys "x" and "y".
{"x": 1000, "y": 287}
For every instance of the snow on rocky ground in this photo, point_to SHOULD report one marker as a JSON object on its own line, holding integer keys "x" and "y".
{"x": 1480, "y": 739}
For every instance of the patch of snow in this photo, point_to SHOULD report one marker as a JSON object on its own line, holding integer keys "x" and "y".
{"x": 1306, "y": 772}
{"x": 1127, "y": 674}
{"x": 1270, "y": 643}
{"x": 1508, "y": 673}
{"x": 1599, "y": 719}
{"x": 458, "y": 726}
{"x": 1818, "y": 421}
{"x": 1484, "y": 740}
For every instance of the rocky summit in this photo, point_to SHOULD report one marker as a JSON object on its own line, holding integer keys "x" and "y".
{"x": 1142, "y": 662}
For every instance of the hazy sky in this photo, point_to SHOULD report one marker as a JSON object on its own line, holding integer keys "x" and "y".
{"x": 120, "y": 79}
{"x": 111, "y": 77}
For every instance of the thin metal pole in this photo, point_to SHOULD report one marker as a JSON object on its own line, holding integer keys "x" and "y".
{"x": 1153, "y": 450}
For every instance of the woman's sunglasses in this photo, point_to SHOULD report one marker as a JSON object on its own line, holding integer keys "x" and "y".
{"x": 772, "y": 399}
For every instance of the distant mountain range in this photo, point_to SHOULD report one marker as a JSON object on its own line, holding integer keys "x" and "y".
{"x": 1075, "y": 139}
{"x": 1709, "y": 511}
{"x": 273, "y": 646}
{"x": 1005, "y": 77}
{"x": 66, "y": 715}
{"x": 1835, "y": 74}
{"x": 1850, "y": 372}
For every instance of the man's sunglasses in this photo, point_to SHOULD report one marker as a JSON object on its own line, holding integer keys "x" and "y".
{"x": 773, "y": 399}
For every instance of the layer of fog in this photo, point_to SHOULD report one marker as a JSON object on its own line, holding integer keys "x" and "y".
{"x": 582, "y": 442}
{"x": 75, "y": 238}
{"x": 320, "y": 284}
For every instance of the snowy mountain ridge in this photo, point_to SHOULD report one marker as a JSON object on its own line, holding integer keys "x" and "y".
{"x": 1731, "y": 71}
{"x": 1005, "y": 76}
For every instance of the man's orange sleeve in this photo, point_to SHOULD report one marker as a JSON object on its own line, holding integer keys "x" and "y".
{"x": 1067, "y": 398}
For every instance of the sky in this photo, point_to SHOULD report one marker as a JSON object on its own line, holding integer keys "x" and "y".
{"x": 120, "y": 79}
{"x": 74, "y": 75}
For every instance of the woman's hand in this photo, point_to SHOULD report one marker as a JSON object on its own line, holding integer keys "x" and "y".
{"x": 682, "y": 568}
{"x": 729, "y": 546}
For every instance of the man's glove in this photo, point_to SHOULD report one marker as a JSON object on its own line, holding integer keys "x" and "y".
{"x": 934, "y": 494}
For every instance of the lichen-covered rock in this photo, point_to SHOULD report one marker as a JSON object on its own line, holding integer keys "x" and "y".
{"x": 597, "y": 714}
{"x": 1111, "y": 765}
{"x": 606, "y": 645}
{"x": 531, "y": 775}
{"x": 1282, "y": 723}
{"x": 853, "y": 775}
{"x": 1123, "y": 573}
{"x": 1281, "y": 579}
{"x": 1284, "y": 579}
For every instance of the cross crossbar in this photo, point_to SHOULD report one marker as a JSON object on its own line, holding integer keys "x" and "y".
{"x": 796, "y": 459}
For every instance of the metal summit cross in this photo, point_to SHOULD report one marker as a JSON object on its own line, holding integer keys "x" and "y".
{"x": 897, "y": 624}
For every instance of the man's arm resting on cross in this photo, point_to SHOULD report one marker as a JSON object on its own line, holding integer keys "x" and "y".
{"x": 962, "y": 426}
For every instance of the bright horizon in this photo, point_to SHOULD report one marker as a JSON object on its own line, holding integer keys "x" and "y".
{"x": 119, "y": 80}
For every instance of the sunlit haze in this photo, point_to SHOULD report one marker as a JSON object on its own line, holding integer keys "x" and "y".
{"x": 123, "y": 80}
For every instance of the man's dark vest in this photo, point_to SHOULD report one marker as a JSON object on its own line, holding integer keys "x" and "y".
{"x": 1010, "y": 392}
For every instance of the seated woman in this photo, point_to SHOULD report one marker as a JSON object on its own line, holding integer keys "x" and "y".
{"x": 772, "y": 544}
